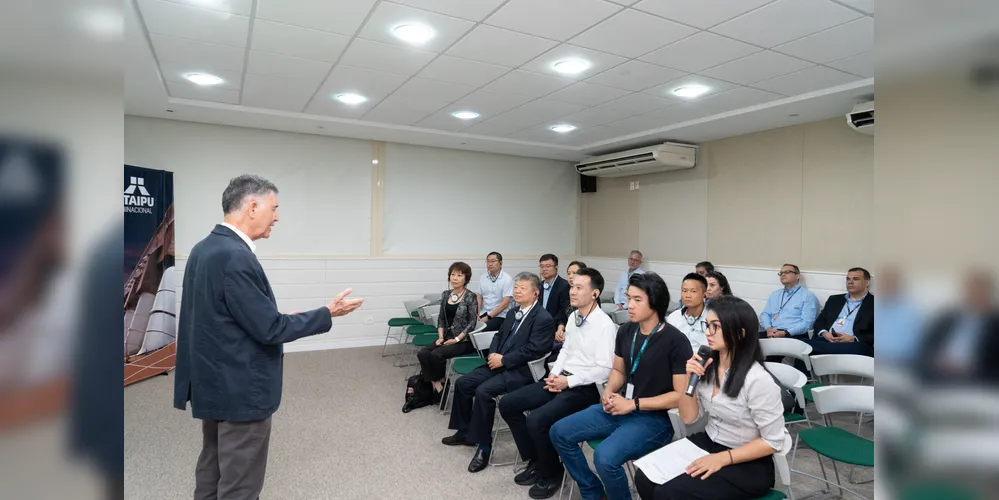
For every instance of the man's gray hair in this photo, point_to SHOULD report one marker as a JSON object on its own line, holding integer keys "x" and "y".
{"x": 635, "y": 252}
{"x": 243, "y": 186}
{"x": 531, "y": 277}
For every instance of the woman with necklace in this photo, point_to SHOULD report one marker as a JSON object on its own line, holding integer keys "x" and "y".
{"x": 457, "y": 318}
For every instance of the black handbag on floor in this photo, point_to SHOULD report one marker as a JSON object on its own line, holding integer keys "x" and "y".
{"x": 419, "y": 393}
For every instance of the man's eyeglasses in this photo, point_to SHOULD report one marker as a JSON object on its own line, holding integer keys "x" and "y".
{"x": 782, "y": 273}
{"x": 492, "y": 261}
{"x": 546, "y": 266}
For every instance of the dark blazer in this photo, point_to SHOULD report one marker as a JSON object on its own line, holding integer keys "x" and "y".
{"x": 558, "y": 300}
{"x": 229, "y": 334}
{"x": 939, "y": 332}
{"x": 532, "y": 340}
{"x": 863, "y": 322}
{"x": 465, "y": 318}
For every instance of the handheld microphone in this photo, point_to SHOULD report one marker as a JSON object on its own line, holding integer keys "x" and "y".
{"x": 705, "y": 353}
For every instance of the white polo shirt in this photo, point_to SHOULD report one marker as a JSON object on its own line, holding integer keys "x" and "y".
{"x": 692, "y": 327}
{"x": 493, "y": 292}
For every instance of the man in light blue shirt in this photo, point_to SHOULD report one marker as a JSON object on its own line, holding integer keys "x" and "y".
{"x": 634, "y": 267}
{"x": 790, "y": 311}
{"x": 898, "y": 319}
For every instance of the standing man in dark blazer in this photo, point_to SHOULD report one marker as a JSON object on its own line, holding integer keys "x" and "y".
{"x": 525, "y": 335}
{"x": 846, "y": 323}
{"x": 229, "y": 343}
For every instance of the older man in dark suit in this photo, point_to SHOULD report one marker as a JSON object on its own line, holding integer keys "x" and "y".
{"x": 229, "y": 343}
{"x": 526, "y": 335}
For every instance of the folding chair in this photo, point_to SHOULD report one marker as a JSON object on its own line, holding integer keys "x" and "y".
{"x": 433, "y": 298}
{"x": 609, "y": 307}
{"x": 620, "y": 317}
{"x": 788, "y": 347}
{"x": 792, "y": 379}
{"x": 834, "y": 443}
{"x": 537, "y": 368}
{"x": 412, "y": 318}
{"x": 477, "y": 355}
{"x": 462, "y": 365}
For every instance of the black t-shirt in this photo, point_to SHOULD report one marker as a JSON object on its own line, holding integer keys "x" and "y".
{"x": 665, "y": 356}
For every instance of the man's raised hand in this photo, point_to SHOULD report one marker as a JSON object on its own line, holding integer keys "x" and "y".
{"x": 342, "y": 306}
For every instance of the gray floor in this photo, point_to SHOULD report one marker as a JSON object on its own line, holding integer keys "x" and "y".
{"x": 339, "y": 434}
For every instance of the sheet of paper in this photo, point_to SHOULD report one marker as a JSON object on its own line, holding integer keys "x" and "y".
{"x": 670, "y": 461}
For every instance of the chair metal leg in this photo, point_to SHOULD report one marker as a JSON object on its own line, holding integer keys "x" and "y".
{"x": 385, "y": 345}
{"x": 838, "y": 482}
{"x": 824, "y": 476}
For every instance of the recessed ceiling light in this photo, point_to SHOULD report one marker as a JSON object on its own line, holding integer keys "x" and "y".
{"x": 351, "y": 98}
{"x": 374, "y": 161}
{"x": 562, "y": 129}
{"x": 690, "y": 90}
{"x": 465, "y": 115}
{"x": 203, "y": 79}
{"x": 416, "y": 34}
{"x": 571, "y": 66}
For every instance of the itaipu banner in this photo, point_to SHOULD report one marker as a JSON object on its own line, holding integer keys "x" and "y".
{"x": 150, "y": 334}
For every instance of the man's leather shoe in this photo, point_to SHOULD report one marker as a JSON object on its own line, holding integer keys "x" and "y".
{"x": 479, "y": 461}
{"x": 456, "y": 440}
{"x": 529, "y": 476}
{"x": 544, "y": 488}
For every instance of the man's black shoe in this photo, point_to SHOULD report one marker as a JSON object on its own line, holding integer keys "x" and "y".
{"x": 528, "y": 476}
{"x": 544, "y": 488}
{"x": 479, "y": 461}
{"x": 456, "y": 440}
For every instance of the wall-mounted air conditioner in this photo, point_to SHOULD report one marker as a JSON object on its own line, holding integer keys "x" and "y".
{"x": 659, "y": 158}
{"x": 861, "y": 118}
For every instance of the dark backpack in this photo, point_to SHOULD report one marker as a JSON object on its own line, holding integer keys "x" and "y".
{"x": 419, "y": 393}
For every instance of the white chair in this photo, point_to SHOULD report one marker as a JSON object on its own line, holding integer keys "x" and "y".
{"x": 449, "y": 378}
{"x": 843, "y": 364}
{"x": 537, "y": 368}
{"x": 620, "y": 317}
{"x": 787, "y": 347}
{"x": 608, "y": 307}
{"x": 792, "y": 379}
{"x": 433, "y": 298}
{"x": 411, "y": 307}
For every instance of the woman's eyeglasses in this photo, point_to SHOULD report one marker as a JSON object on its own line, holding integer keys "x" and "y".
{"x": 710, "y": 328}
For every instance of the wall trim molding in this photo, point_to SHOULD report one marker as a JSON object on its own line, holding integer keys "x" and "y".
{"x": 308, "y": 345}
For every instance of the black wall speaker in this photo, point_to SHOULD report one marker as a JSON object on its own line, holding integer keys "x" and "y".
{"x": 587, "y": 184}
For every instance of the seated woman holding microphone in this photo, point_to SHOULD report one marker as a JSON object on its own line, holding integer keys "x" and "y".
{"x": 457, "y": 318}
{"x": 745, "y": 415}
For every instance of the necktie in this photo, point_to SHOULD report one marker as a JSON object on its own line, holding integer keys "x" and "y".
{"x": 513, "y": 332}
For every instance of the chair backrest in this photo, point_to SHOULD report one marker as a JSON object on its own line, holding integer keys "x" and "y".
{"x": 620, "y": 317}
{"x": 537, "y": 367}
{"x": 843, "y": 364}
{"x": 479, "y": 326}
{"x": 482, "y": 340}
{"x": 844, "y": 398}
{"x": 426, "y": 312}
{"x": 679, "y": 428}
{"x": 433, "y": 318}
{"x": 787, "y": 347}
{"x": 433, "y": 298}
{"x": 790, "y": 378}
{"x": 609, "y": 307}
{"x": 413, "y": 306}
{"x": 783, "y": 470}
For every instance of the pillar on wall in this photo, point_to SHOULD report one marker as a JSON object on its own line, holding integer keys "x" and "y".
{"x": 377, "y": 195}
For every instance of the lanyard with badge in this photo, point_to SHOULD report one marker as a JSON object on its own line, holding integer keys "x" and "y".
{"x": 784, "y": 302}
{"x": 630, "y": 390}
{"x": 849, "y": 311}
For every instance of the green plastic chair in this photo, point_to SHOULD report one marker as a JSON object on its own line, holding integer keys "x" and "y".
{"x": 413, "y": 311}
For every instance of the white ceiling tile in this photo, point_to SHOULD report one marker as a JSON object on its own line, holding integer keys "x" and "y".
{"x": 172, "y": 49}
{"x": 277, "y": 65}
{"x": 442, "y": 120}
{"x": 584, "y": 134}
{"x": 463, "y": 71}
{"x": 297, "y": 42}
{"x": 863, "y": 5}
{"x": 625, "y": 107}
{"x": 419, "y": 88}
{"x": 666, "y": 89}
{"x": 756, "y": 67}
{"x": 737, "y": 98}
{"x": 587, "y": 94}
{"x": 700, "y": 51}
{"x": 488, "y": 103}
{"x": 527, "y": 83}
{"x": 860, "y": 64}
{"x": 339, "y": 16}
{"x": 277, "y": 93}
{"x": 700, "y": 13}
{"x": 845, "y": 40}
{"x": 631, "y": 33}
{"x": 599, "y": 61}
{"x": 385, "y": 57}
{"x": 786, "y": 20}
{"x": 187, "y": 90}
{"x": 240, "y": 7}
{"x": 374, "y": 85}
{"x": 388, "y": 16}
{"x": 635, "y": 76}
{"x": 475, "y": 10}
{"x": 637, "y": 124}
{"x": 811, "y": 79}
{"x": 536, "y": 112}
{"x": 498, "y": 46}
{"x": 683, "y": 112}
{"x": 624, "y": 2}
{"x": 402, "y": 111}
{"x": 174, "y": 19}
{"x": 324, "y": 104}
{"x": 493, "y": 128}
{"x": 175, "y": 72}
{"x": 554, "y": 19}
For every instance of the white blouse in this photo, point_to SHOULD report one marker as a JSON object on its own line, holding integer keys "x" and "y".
{"x": 756, "y": 412}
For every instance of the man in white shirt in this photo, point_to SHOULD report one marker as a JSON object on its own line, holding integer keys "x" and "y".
{"x": 495, "y": 292}
{"x": 621, "y": 291}
{"x": 689, "y": 318}
{"x": 585, "y": 361}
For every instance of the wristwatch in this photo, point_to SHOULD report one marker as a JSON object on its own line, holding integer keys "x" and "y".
{"x": 637, "y": 406}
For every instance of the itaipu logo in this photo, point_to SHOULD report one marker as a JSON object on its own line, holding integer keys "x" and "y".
{"x": 137, "y": 198}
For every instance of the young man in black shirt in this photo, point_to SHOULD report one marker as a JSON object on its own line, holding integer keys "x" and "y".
{"x": 650, "y": 358}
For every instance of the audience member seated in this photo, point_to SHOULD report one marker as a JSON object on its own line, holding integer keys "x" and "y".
{"x": 790, "y": 311}
{"x": 554, "y": 289}
{"x": 570, "y": 273}
{"x": 898, "y": 320}
{"x": 689, "y": 318}
{"x": 495, "y": 293}
{"x": 457, "y": 318}
{"x": 704, "y": 267}
{"x": 525, "y": 335}
{"x": 621, "y": 291}
{"x": 717, "y": 286}
{"x": 961, "y": 344}
{"x": 648, "y": 378}
{"x": 745, "y": 423}
{"x": 584, "y": 362}
{"x": 846, "y": 323}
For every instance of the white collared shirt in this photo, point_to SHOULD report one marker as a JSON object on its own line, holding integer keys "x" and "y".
{"x": 588, "y": 352}
{"x": 493, "y": 292}
{"x": 249, "y": 242}
{"x": 523, "y": 317}
{"x": 694, "y": 332}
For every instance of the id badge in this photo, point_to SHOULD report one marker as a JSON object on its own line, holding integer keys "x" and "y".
{"x": 629, "y": 392}
{"x": 840, "y": 322}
